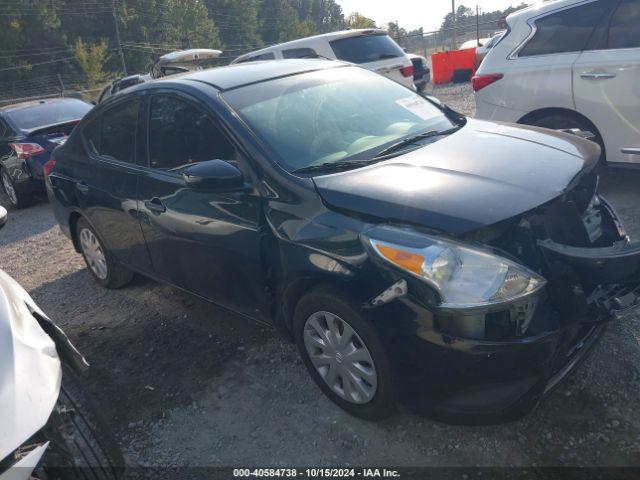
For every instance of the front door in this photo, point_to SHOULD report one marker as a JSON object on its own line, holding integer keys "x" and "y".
{"x": 607, "y": 83}
{"x": 208, "y": 243}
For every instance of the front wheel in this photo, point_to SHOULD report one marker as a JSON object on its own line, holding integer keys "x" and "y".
{"x": 81, "y": 445}
{"x": 344, "y": 354}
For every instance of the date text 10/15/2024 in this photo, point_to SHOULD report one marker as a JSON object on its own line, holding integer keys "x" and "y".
{"x": 315, "y": 473}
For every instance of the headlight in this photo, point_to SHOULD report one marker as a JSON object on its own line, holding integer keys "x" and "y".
{"x": 464, "y": 276}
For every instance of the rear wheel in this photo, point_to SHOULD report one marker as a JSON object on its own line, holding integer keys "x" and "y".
{"x": 16, "y": 198}
{"x": 344, "y": 355}
{"x": 99, "y": 260}
{"x": 81, "y": 443}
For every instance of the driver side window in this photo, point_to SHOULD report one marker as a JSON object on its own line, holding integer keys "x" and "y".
{"x": 180, "y": 134}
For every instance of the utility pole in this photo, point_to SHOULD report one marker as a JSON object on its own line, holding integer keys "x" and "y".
{"x": 115, "y": 21}
{"x": 454, "y": 42}
{"x": 478, "y": 25}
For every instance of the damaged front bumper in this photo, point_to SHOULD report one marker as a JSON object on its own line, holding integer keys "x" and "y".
{"x": 495, "y": 365}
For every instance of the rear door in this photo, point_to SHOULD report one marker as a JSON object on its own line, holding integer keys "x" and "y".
{"x": 539, "y": 73}
{"x": 377, "y": 52}
{"x": 105, "y": 183}
{"x": 606, "y": 81}
{"x": 208, "y": 243}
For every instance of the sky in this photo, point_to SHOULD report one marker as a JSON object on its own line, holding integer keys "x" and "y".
{"x": 412, "y": 14}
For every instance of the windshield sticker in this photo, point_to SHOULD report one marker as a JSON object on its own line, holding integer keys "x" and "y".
{"x": 417, "y": 106}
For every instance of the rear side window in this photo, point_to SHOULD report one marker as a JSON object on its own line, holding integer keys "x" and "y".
{"x": 624, "y": 30}
{"x": 300, "y": 53}
{"x": 180, "y": 134}
{"x": 566, "y": 31}
{"x": 113, "y": 134}
{"x": 366, "y": 48}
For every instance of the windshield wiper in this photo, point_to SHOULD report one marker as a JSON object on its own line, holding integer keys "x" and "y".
{"x": 334, "y": 166}
{"x": 411, "y": 140}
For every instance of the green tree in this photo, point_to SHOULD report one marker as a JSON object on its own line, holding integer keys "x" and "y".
{"x": 279, "y": 22}
{"x": 321, "y": 15}
{"x": 187, "y": 24}
{"x": 92, "y": 59}
{"x": 237, "y": 21}
{"x": 357, "y": 20}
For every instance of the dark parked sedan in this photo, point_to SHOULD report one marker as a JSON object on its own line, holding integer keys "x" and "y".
{"x": 28, "y": 133}
{"x": 460, "y": 267}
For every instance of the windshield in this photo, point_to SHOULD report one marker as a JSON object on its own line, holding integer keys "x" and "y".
{"x": 46, "y": 114}
{"x": 333, "y": 115}
{"x": 366, "y": 48}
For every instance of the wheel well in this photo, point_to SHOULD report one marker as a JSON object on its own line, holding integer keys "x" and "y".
{"x": 293, "y": 293}
{"x": 73, "y": 221}
{"x": 289, "y": 298}
{"x": 565, "y": 112}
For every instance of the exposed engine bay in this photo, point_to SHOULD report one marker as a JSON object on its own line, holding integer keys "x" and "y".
{"x": 577, "y": 243}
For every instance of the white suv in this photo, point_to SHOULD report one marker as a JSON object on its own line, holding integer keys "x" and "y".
{"x": 569, "y": 64}
{"x": 372, "y": 49}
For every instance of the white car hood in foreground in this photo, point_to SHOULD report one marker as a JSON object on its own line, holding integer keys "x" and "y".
{"x": 30, "y": 373}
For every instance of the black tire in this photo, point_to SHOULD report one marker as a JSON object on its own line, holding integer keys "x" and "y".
{"x": 81, "y": 444}
{"x": 326, "y": 299}
{"x": 559, "y": 121}
{"x": 17, "y": 198}
{"x": 116, "y": 275}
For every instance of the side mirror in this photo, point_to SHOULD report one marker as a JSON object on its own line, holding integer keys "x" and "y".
{"x": 214, "y": 175}
{"x": 3, "y": 216}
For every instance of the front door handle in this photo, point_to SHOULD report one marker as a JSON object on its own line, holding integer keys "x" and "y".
{"x": 155, "y": 205}
{"x": 82, "y": 187}
{"x": 597, "y": 75}
{"x": 630, "y": 150}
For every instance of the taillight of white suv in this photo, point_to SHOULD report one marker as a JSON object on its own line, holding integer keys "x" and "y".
{"x": 478, "y": 82}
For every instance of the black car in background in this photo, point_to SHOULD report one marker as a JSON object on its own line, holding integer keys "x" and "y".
{"x": 461, "y": 267}
{"x": 421, "y": 73}
{"x": 28, "y": 133}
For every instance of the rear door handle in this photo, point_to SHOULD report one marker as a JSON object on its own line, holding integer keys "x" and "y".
{"x": 82, "y": 187}
{"x": 155, "y": 205}
{"x": 597, "y": 75}
{"x": 630, "y": 151}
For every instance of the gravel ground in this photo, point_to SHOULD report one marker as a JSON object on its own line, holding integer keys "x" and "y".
{"x": 185, "y": 383}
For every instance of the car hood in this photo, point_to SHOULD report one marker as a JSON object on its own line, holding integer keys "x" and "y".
{"x": 30, "y": 371}
{"x": 484, "y": 173}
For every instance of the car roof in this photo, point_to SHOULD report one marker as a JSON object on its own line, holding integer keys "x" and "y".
{"x": 242, "y": 74}
{"x": 542, "y": 8}
{"x": 307, "y": 41}
{"x": 36, "y": 103}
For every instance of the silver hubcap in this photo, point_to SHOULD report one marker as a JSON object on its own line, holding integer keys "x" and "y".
{"x": 8, "y": 188}
{"x": 340, "y": 357}
{"x": 93, "y": 253}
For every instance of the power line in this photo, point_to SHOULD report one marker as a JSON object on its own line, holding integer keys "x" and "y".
{"x": 115, "y": 22}
{"x": 36, "y": 64}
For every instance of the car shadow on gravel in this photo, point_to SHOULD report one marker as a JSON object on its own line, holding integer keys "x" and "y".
{"x": 40, "y": 217}
{"x": 151, "y": 347}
